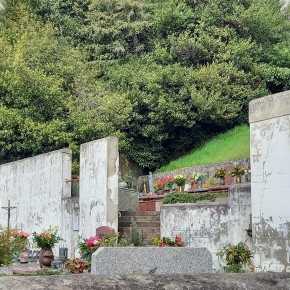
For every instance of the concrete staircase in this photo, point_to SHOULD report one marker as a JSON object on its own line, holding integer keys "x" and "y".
{"x": 146, "y": 222}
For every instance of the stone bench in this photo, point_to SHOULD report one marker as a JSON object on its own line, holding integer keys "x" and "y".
{"x": 151, "y": 260}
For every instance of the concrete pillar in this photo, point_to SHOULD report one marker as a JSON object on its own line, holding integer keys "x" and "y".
{"x": 99, "y": 165}
{"x": 269, "y": 119}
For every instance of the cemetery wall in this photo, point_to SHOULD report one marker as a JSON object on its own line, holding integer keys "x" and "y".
{"x": 99, "y": 166}
{"x": 270, "y": 160}
{"x": 210, "y": 224}
{"x": 36, "y": 187}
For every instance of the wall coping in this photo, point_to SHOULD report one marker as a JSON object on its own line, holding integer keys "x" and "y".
{"x": 268, "y": 107}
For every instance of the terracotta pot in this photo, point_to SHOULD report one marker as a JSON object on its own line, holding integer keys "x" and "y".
{"x": 46, "y": 257}
{"x": 24, "y": 257}
{"x": 78, "y": 271}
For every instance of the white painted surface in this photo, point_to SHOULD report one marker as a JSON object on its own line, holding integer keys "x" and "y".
{"x": 36, "y": 187}
{"x": 270, "y": 162}
{"x": 99, "y": 161}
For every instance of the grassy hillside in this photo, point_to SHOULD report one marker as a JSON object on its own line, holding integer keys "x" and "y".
{"x": 232, "y": 145}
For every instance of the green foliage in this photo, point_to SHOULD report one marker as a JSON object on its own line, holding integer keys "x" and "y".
{"x": 232, "y": 145}
{"x": 137, "y": 238}
{"x": 236, "y": 254}
{"x": 184, "y": 197}
{"x": 8, "y": 246}
{"x": 152, "y": 73}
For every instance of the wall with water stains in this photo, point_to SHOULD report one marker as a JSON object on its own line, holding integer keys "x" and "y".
{"x": 270, "y": 163}
{"x": 210, "y": 224}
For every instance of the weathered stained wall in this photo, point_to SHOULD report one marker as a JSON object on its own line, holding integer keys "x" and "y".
{"x": 270, "y": 162}
{"x": 37, "y": 187}
{"x": 211, "y": 224}
{"x": 99, "y": 165}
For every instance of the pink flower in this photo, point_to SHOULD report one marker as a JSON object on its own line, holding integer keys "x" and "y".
{"x": 92, "y": 241}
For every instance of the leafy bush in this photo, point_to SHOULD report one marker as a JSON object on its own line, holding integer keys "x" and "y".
{"x": 8, "y": 246}
{"x": 185, "y": 197}
{"x": 235, "y": 256}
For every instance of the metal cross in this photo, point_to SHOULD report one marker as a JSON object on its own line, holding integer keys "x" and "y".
{"x": 9, "y": 208}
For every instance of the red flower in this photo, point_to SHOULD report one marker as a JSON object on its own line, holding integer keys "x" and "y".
{"x": 177, "y": 239}
{"x": 162, "y": 245}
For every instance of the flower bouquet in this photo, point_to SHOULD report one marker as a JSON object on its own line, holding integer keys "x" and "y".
{"x": 168, "y": 181}
{"x": 180, "y": 179}
{"x": 21, "y": 239}
{"x": 47, "y": 238}
{"x": 197, "y": 176}
{"x": 238, "y": 170}
{"x": 220, "y": 172}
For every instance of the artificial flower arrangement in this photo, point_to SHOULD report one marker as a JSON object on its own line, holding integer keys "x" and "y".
{"x": 47, "y": 238}
{"x": 21, "y": 238}
{"x": 168, "y": 181}
{"x": 167, "y": 242}
{"x": 76, "y": 265}
{"x": 197, "y": 176}
{"x": 220, "y": 172}
{"x": 180, "y": 179}
{"x": 247, "y": 172}
{"x": 158, "y": 184}
{"x": 238, "y": 170}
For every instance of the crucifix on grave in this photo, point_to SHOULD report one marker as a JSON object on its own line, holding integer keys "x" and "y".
{"x": 9, "y": 208}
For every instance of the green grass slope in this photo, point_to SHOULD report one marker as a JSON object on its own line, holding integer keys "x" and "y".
{"x": 232, "y": 145}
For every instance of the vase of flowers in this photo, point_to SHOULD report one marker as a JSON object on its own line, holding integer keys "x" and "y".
{"x": 220, "y": 173}
{"x": 159, "y": 186}
{"x": 46, "y": 240}
{"x": 248, "y": 175}
{"x": 197, "y": 177}
{"x": 180, "y": 180}
{"x": 168, "y": 182}
{"x": 21, "y": 239}
{"x": 238, "y": 171}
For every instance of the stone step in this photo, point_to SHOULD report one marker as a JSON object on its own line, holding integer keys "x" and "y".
{"x": 139, "y": 213}
{"x": 139, "y": 218}
{"x": 148, "y": 224}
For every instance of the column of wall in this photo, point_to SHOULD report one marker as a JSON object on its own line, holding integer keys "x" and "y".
{"x": 270, "y": 162}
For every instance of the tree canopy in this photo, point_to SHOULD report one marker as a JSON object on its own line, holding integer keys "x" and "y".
{"x": 162, "y": 75}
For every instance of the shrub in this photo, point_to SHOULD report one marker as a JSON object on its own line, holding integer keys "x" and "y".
{"x": 236, "y": 256}
{"x": 8, "y": 246}
{"x": 184, "y": 197}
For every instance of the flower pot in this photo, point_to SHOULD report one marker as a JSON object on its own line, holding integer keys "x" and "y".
{"x": 78, "y": 271}
{"x": 24, "y": 257}
{"x": 222, "y": 180}
{"x": 180, "y": 188}
{"x": 238, "y": 179}
{"x": 46, "y": 257}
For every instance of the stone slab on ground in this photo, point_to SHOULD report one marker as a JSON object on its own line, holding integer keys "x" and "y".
{"x": 149, "y": 260}
{"x": 25, "y": 269}
{"x": 250, "y": 281}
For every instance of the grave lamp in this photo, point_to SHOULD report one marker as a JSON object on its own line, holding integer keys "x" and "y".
{"x": 63, "y": 254}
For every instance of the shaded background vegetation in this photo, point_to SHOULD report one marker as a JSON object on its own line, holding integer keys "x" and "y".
{"x": 162, "y": 75}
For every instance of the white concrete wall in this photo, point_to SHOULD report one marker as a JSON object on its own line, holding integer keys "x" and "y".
{"x": 36, "y": 187}
{"x": 99, "y": 164}
{"x": 221, "y": 222}
{"x": 270, "y": 162}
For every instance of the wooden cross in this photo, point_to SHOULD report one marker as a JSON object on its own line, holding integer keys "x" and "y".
{"x": 9, "y": 208}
